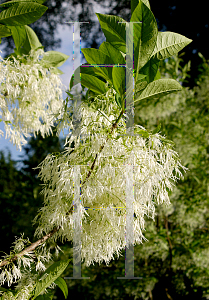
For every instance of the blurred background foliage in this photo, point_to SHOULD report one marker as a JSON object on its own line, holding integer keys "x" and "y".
{"x": 20, "y": 196}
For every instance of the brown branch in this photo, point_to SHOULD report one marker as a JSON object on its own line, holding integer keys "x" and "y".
{"x": 101, "y": 148}
{"x": 150, "y": 295}
{"x": 169, "y": 296}
{"x": 34, "y": 245}
{"x": 31, "y": 247}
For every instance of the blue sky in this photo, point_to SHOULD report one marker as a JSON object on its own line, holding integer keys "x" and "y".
{"x": 65, "y": 33}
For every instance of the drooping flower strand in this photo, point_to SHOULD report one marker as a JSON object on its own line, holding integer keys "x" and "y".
{"x": 103, "y": 230}
{"x": 30, "y": 97}
{"x": 101, "y": 236}
{"x": 8, "y": 260}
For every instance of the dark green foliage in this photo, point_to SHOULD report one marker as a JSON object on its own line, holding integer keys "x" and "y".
{"x": 20, "y": 190}
{"x": 16, "y": 202}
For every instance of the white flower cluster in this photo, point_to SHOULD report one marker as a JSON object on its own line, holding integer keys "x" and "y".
{"x": 20, "y": 271}
{"x": 103, "y": 229}
{"x": 30, "y": 97}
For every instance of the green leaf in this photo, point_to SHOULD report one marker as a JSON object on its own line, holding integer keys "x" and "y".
{"x": 62, "y": 285}
{"x": 158, "y": 88}
{"x": 169, "y": 44}
{"x": 156, "y": 130}
{"x": 114, "y": 32}
{"x": 113, "y": 53}
{"x": 54, "y": 58}
{"x": 10, "y": 3}
{"x": 146, "y": 2}
{"x": 150, "y": 69}
{"x": 97, "y": 57}
{"x": 93, "y": 83}
{"x": 54, "y": 271}
{"x": 166, "y": 141}
{"x": 118, "y": 100}
{"x": 118, "y": 73}
{"x": 134, "y": 4}
{"x": 145, "y": 35}
{"x": 158, "y": 75}
{"x": 56, "y": 71}
{"x": 144, "y": 133}
{"x": 140, "y": 77}
{"x": 118, "y": 76}
{"x": 69, "y": 94}
{"x": 140, "y": 86}
{"x": 4, "y": 31}
{"x": 83, "y": 70}
{"x": 31, "y": 42}
{"x": 22, "y": 13}
{"x": 19, "y": 35}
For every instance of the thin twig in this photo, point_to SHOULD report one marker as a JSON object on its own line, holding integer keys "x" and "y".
{"x": 32, "y": 247}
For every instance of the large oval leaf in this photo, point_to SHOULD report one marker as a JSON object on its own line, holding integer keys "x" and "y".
{"x": 62, "y": 285}
{"x": 31, "y": 42}
{"x": 83, "y": 70}
{"x": 118, "y": 76}
{"x": 158, "y": 88}
{"x": 169, "y": 43}
{"x": 54, "y": 58}
{"x": 22, "y": 13}
{"x": 56, "y": 71}
{"x": 145, "y": 35}
{"x": 112, "y": 52}
{"x": 98, "y": 57}
{"x": 54, "y": 271}
{"x": 146, "y": 2}
{"x": 114, "y": 32}
{"x": 140, "y": 86}
{"x": 10, "y": 3}
{"x": 150, "y": 69}
{"x": 18, "y": 34}
{"x": 134, "y": 4}
{"x": 158, "y": 75}
{"x": 140, "y": 78}
{"x": 118, "y": 100}
{"x": 93, "y": 83}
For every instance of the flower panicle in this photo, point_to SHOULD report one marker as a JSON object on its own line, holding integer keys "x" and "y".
{"x": 154, "y": 162}
{"x": 30, "y": 97}
{"x": 15, "y": 270}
